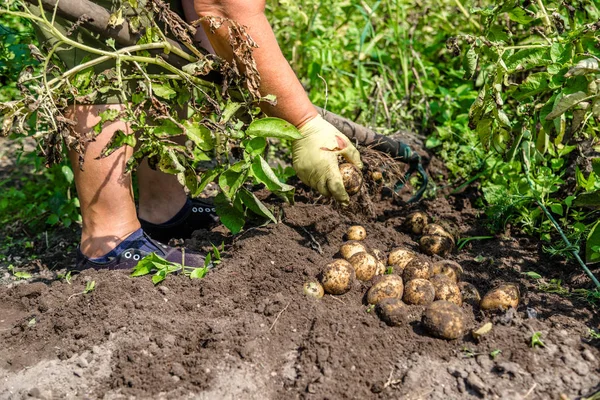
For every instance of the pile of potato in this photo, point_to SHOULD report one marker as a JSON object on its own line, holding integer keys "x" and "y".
{"x": 414, "y": 288}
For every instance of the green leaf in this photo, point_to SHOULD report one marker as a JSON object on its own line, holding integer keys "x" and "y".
{"x": 118, "y": 140}
{"x": 206, "y": 178}
{"x": 167, "y": 128}
{"x": 256, "y": 146}
{"x": 254, "y": 204}
{"x": 199, "y": 273}
{"x": 532, "y": 275}
{"x": 534, "y": 84}
{"x": 520, "y": 16}
{"x": 67, "y": 173}
{"x": 526, "y": 59}
{"x": 231, "y": 217}
{"x": 159, "y": 277}
{"x": 584, "y": 67}
{"x": 596, "y": 165}
{"x": 106, "y": 116}
{"x": 557, "y": 209}
{"x": 593, "y": 240}
{"x": 470, "y": 63}
{"x": 273, "y": 127}
{"x": 265, "y": 175}
{"x": 82, "y": 80}
{"x": 22, "y": 275}
{"x": 231, "y": 180}
{"x": 200, "y": 135}
{"x": 52, "y": 219}
{"x": 590, "y": 200}
{"x": 565, "y": 103}
{"x": 484, "y": 131}
{"x": 164, "y": 91}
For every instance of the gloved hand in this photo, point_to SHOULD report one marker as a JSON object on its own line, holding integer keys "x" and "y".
{"x": 316, "y": 158}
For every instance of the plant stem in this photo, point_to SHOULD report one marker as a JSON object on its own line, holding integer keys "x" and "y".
{"x": 466, "y": 14}
{"x": 546, "y": 19}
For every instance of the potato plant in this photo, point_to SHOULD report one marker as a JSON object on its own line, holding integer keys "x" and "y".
{"x": 225, "y": 133}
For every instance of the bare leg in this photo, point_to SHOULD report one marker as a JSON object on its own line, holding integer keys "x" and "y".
{"x": 161, "y": 195}
{"x": 104, "y": 190}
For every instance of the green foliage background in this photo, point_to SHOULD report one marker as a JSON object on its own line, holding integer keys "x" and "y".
{"x": 477, "y": 80}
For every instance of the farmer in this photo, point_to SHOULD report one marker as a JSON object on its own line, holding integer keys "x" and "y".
{"x": 114, "y": 235}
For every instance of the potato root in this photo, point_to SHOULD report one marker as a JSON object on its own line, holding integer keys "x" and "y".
{"x": 415, "y": 222}
{"x": 349, "y": 249}
{"x": 417, "y": 268}
{"x": 451, "y": 269}
{"x": 399, "y": 258}
{"x": 440, "y": 245}
{"x": 446, "y": 289}
{"x": 469, "y": 293}
{"x": 313, "y": 289}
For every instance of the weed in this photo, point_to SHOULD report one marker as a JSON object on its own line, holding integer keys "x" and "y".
{"x": 536, "y": 340}
{"x": 532, "y": 275}
{"x": 495, "y": 353}
{"x": 389, "y": 270}
{"x": 160, "y": 268}
{"x": 19, "y": 274}
{"x": 90, "y": 286}
{"x": 370, "y": 308}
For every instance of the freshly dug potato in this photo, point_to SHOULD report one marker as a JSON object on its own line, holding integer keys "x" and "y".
{"x": 419, "y": 292}
{"x": 380, "y": 268}
{"x": 451, "y": 269}
{"x": 415, "y": 222}
{"x": 470, "y": 294}
{"x": 391, "y": 311}
{"x": 365, "y": 265}
{"x": 351, "y": 177}
{"x": 440, "y": 245}
{"x": 386, "y": 287}
{"x": 349, "y": 249}
{"x": 417, "y": 268}
{"x": 501, "y": 297}
{"x": 444, "y": 320}
{"x": 436, "y": 230}
{"x": 398, "y": 258}
{"x": 450, "y": 227}
{"x": 313, "y": 289}
{"x": 356, "y": 232}
{"x": 338, "y": 277}
{"x": 446, "y": 289}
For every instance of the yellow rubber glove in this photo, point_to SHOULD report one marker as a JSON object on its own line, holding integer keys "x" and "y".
{"x": 316, "y": 158}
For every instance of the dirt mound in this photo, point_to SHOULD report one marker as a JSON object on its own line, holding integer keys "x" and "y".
{"x": 247, "y": 331}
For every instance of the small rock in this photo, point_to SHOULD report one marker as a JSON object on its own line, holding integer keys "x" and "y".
{"x": 587, "y": 355}
{"x": 288, "y": 268}
{"x": 82, "y": 362}
{"x": 178, "y": 369}
{"x": 377, "y": 387}
{"x": 35, "y": 393}
{"x": 78, "y": 372}
{"x": 175, "y": 378}
{"x": 311, "y": 388}
{"x": 163, "y": 289}
{"x": 531, "y": 313}
{"x": 476, "y": 384}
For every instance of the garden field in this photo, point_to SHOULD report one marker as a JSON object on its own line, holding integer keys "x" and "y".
{"x": 501, "y": 102}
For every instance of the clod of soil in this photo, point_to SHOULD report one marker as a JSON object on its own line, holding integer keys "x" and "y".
{"x": 356, "y": 232}
{"x": 351, "y": 177}
{"x": 349, "y": 249}
{"x": 502, "y": 297}
{"x": 399, "y": 258}
{"x": 451, "y": 269}
{"x": 313, "y": 289}
{"x": 446, "y": 289}
{"x": 470, "y": 294}
{"x": 417, "y": 268}
{"x": 338, "y": 277}
{"x": 385, "y": 287}
{"x": 444, "y": 320}
{"x": 415, "y": 222}
{"x": 419, "y": 292}
{"x": 438, "y": 245}
{"x": 365, "y": 266}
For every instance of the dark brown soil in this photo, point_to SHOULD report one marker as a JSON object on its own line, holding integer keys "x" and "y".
{"x": 246, "y": 331}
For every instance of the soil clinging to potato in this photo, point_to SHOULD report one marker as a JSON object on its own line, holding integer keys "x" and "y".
{"x": 248, "y": 331}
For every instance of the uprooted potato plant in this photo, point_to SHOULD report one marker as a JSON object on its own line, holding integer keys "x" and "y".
{"x": 220, "y": 118}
